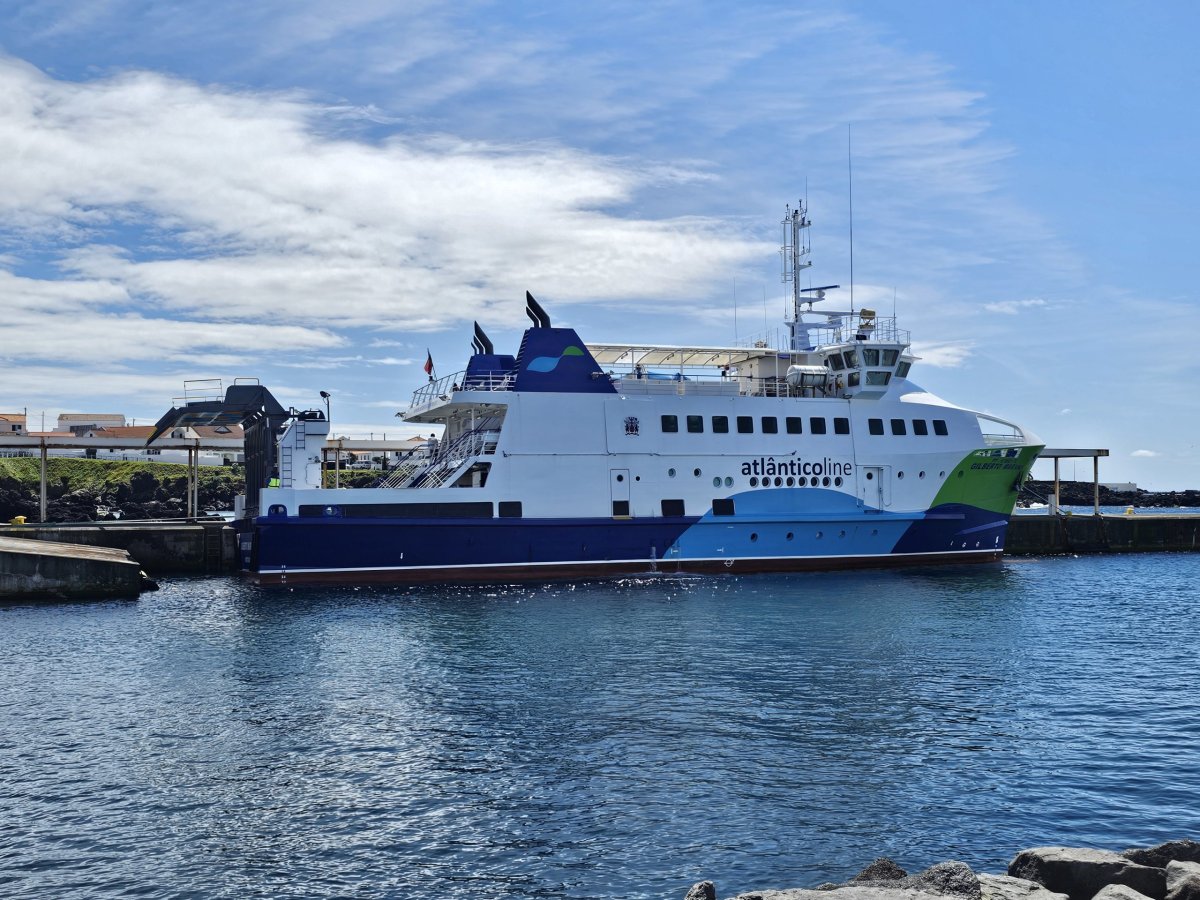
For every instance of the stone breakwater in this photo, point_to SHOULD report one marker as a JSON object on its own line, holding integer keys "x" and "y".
{"x": 1170, "y": 871}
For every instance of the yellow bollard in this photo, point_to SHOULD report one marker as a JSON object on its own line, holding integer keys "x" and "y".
{"x": 17, "y": 520}
{"x": 1129, "y": 510}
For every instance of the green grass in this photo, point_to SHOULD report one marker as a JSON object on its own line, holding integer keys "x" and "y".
{"x": 104, "y": 475}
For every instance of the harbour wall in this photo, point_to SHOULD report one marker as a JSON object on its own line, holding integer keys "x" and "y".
{"x": 161, "y": 548}
{"x": 50, "y": 569}
{"x": 1041, "y": 535}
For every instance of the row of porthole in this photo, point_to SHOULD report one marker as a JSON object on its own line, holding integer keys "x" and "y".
{"x": 788, "y": 482}
{"x": 900, "y": 474}
{"x": 813, "y": 481}
{"x": 820, "y": 534}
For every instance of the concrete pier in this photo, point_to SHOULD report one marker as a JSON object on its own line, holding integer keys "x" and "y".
{"x": 52, "y": 570}
{"x": 162, "y": 548}
{"x": 1140, "y": 533}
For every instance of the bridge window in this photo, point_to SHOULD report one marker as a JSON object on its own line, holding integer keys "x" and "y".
{"x": 835, "y": 361}
{"x": 841, "y": 425}
{"x": 816, "y": 425}
{"x": 745, "y": 424}
{"x": 695, "y": 424}
{"x": 770, "y": 425}
{"x": 879, "y": 378}
{"x": 875, "y": 426}
{"x": 795, "y": 425}
{"x": 902, "y": 369}
{"x": 670, "y": 424}
{"x": 851, "y": 359}
{"x": 852, "y": 380}
{"x": 939, "y": 427}
{"x": 920, "y": 426}
{"x": 720, "y": 424}
{"x": 898, "y": 426}
{"x": 889, "y": 357}
{"x": 870, "y": 357}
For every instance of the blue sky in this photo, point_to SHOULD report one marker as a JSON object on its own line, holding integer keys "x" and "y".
{"x": 314, "y": 195}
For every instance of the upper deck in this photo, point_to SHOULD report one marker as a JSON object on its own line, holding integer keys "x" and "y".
{"x": 848, "y": 357}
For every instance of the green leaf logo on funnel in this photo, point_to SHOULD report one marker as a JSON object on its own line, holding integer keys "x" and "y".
{"x": 550, "y": 363}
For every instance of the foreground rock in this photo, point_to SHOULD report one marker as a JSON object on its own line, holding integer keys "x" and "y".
{"x": 1183, "y": 880}
{"x": 1081, "y": 872}
{"x": 884, "y": 880}
{"x": 1186, "y": 850}
{"x": 1005, "y": 887}
{"x": 1119, "y": 892}
{"x": 1170, "y": 871}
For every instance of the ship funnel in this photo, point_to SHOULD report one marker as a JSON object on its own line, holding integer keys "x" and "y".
{"x": 482, "y": 341}
{"x": 535, "y": 312}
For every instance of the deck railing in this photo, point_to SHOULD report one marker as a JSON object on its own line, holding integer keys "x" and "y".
{"x": 443, "y": 389}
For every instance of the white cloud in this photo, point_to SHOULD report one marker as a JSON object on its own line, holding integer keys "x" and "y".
{"x": 256, "y": 216}
{"x": 1013, "y": 307}
{"x": 1145, "y": 453}
{"x": 1065, "y": 412}
{"x": 943, "y": 356}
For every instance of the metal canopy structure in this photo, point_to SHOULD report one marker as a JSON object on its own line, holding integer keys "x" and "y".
{"x": 679, "y": 357}
{"x": 1094, "y": 455}
{"x": 243, "y": 403}
{"x": 43, "y": 443}
{"x": 254, "y": 408}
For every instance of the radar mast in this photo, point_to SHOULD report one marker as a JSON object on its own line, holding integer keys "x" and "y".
{"x": 794, "y": 253}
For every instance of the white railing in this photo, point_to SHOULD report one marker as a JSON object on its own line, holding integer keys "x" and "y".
{"x": 443, "y": 389}
{"x": 998, "y": 433}
{"x": 449, "y": 458}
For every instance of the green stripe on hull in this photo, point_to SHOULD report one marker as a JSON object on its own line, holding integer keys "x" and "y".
{"x": 988, "y": 479}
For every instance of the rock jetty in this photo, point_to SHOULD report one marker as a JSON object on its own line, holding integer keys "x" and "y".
{"x": 1081, "y": 493}
{"x": 1170, "y": 871}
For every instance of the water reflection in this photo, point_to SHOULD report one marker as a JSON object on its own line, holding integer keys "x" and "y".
{"x": 618, "y": 738}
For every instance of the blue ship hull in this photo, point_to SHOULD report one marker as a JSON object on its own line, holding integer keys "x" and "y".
{"x": 295, "y": 550}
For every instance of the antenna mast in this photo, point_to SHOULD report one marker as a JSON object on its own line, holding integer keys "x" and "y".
{"x": 795, "y": 251}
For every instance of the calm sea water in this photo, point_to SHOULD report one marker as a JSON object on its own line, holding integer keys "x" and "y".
{"x": 617, "y": 739}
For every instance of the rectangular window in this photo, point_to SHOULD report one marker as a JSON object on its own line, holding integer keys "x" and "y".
{"x": 695, "y": 424}
{"x": 816, "y": 425}
{"x": 939, "y": 427}
{"x": 889, "y": 357}
{"x": 745, "y": 424}
{"x": 835, "y": 360}
{"x": 723, "y": 507}
{"x": 852, "y": 380}
{"x": 919, "y": 427}
{"x": 898, "y": 426}
{"x": 770, "y": 425}
{"x": 720, "y": 424}
{"x": 879, "y": 378}
{"x": 841, "y": 425}
{"x": 875, "y": 426}
{"x": 672, "y": 507}
{"x": 510, "y": 509}
{"x": 870, "y": 357}
{"x": 670, "y": 423}
{"x": 480, "y": 510}
{"x": 851, "y": 359}
{"x": 902, "y": 369}
{"x": 620, "y": 507}
{"x": 795, "y": 425}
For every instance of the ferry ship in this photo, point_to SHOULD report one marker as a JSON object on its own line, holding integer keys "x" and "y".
{"x": 570, "y": 459}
